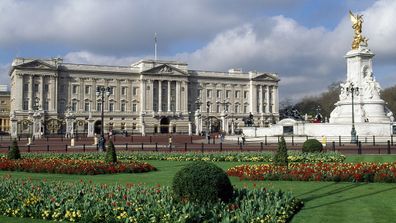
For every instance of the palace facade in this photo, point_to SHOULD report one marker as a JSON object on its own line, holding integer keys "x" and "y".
{"x": 146, "y": 97}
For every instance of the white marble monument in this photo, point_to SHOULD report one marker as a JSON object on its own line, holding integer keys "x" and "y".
{"x": 360, "y": 93}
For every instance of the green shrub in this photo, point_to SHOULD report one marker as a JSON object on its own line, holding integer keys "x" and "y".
{"x": 202, "y": 182}
{"x": 281, "y": 156}
{"x": 14, "y": 153}
{"x": 111, "y": 156}
{"x": 312, "y": 145}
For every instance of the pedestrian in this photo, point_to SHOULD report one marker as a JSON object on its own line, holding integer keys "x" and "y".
{"x": 324, "y": 141}
{"x": 170, "y": 142}
{"x": 208, "y": 138}
{"x": 243, "y": 139}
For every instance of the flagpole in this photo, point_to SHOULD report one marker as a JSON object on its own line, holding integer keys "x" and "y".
{"x": 155, "y": 46}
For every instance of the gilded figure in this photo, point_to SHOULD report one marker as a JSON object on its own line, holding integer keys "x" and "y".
{"x": 357, "y": 21}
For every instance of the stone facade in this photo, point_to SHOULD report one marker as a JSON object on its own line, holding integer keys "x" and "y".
{"x": 146, "y": 97}
{"x": 4, "y": 110}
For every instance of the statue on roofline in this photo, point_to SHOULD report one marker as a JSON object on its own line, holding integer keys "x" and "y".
{"x": 357, "y": 21}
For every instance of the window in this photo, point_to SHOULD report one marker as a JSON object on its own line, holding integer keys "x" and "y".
{"x": 25, "y": 87}
{"x": 123, "y": 90}
{"x": 134, "y": 90}
{"x": 122, "y": 107}
{"x": 236, "y": 109}
{"x": 245, "y": 109}
{"x": 133, "y": 125}
{"x": 218, "y": 93}
{"x": 46, "y": 105}
{"x": 25, "y": 105}
{"x": 208, "y": 93}
{"x": 86, "y": 106}
{"x": 237, "y": 94}
{"x": 218, "y": 108}
{"x": 87, "y": 89}
{"x": 74, "y": 106}
{"x": 45, "y": 88}
{"x": 228, "y": 92}
{"x": 36, "y": 87}
{"x": 134, "y": 107}
{"x": 111, "y": 106}
{"x": 74, "y": 89}
{"x": 111, "y": 90}
{"x": 99, "y": 106}
{"x": 245, "y": 94}
{"x": 226, "y": 107}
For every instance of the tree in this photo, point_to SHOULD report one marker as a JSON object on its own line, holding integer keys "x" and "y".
{"x": 280, "y": 158}
{"x": 111, "y": 156}
{"x": 14, "y": 153}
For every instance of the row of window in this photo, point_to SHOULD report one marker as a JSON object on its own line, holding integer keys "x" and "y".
{"x": 227, "y": 93}
{"x": 88, "y": 89}
{"x": 111, "y": 105}
{"x": 36, "y": 88}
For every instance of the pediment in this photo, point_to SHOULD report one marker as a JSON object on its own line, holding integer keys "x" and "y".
{"x": 266, "y": 77}
{"x": 36, "y": 64}
{"x": 165, "y": 69}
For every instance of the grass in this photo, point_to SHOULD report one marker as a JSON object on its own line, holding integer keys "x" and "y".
{"x": 324, "y": 201}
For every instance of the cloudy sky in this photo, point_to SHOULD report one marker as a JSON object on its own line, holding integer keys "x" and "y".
{"x": 304, "y": 41}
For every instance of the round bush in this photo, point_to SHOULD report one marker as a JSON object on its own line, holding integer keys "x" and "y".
{"x": 312, "y": 145}
{"x": 202, "y": 182}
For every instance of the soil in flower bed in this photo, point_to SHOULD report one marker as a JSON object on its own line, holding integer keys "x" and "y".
{"x": 349, "y": 172}
{"x": 73, "y": 166}
{"x": 87, "y": 202}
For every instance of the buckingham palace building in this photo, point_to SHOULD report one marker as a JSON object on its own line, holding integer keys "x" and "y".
{"x": 49, "y": 96}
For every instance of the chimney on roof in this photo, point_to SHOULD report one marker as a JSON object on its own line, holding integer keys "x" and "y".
{"x": 235, "y": 71}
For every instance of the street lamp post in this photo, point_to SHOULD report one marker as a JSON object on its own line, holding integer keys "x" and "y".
{"x": 101, "y": 92}
{"x": 353, "y": 90}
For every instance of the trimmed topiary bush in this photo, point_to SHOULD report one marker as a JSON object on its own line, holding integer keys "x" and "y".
{"x": 202, "y": 182}
{"x": 280, "y": 157}
{"x": 312, "y": 145}
{"x": 111, "y": 156}
{"x": 14, "y": 153}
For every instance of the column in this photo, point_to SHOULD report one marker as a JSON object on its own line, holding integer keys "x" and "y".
{"x": 128, "y": 96}
{"x": 267, "y": 93}
{"x": 41, "y": 92}
{"x": 30, "y": 92}
{"x": 117, "y": 96}
{"x": 260, "y": 99}
{"x": 55, "y": 96}
{"x": 185, "y": 97}
{"x": 142, "y": 95}
{"x": 275, "y": 99}
{"x": 150, "y": 95}
{"x": 169, "y": 96}
{"x": 51, "y": 93}
{"x": 253, "y": 98}
{"x": 178, "y": 92}
{"x": 159, "y": 95}
{"x": 81, "y": 98}
{"x": 93, "y": 95}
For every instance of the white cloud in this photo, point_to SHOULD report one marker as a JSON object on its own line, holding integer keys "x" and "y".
{"x": 85, "y": 57}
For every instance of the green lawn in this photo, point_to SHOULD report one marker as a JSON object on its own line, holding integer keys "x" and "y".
{"x": 324, "y": 201}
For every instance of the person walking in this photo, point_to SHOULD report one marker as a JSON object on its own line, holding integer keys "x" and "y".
{"x": 170, "y": 142}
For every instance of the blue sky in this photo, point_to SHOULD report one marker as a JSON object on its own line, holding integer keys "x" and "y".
{"x": 304, "y": 41}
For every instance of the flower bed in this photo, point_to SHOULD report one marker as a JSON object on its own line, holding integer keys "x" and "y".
{"x": 178, "y": 156}
{"x": 72, "y": 166}
{"x": 350, "y": 172}
{"x": 86, "y": 202}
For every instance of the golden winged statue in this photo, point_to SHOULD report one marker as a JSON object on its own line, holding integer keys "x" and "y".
{"x": 357, "y": 21}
